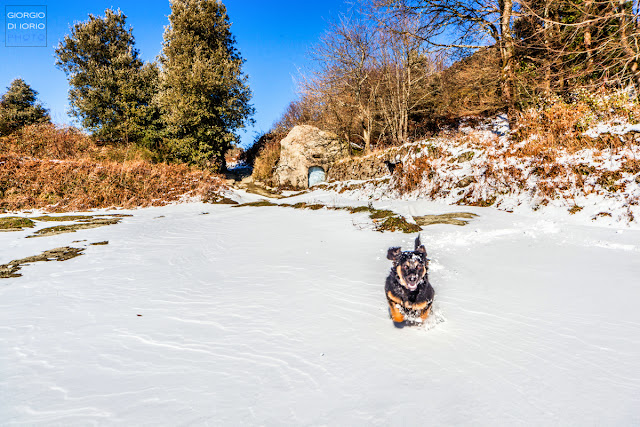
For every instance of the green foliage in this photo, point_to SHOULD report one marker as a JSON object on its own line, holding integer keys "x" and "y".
{"x": 111, "y": 89}
{"x": 204, "y": 94}
{"x": 18, "y": 108}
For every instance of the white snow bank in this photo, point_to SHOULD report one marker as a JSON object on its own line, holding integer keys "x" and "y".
{"x": 612, "y": 128}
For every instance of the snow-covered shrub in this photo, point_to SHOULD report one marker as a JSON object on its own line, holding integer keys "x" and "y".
{"x": 558, "y": 124}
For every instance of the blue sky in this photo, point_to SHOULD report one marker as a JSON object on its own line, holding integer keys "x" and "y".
{"x": 273, "y": 37}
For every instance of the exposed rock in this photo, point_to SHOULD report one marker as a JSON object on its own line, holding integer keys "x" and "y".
{"x": 465, "y": 157}
{"x": 465, "y": 182}
{"x": 306, "y": 146}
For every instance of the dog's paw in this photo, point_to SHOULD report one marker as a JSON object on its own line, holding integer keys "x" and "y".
{"x": 400, "y": 325}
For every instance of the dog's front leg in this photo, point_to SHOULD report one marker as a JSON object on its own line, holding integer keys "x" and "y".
{"x": 425, "y": 313}
{"x": 396, "y": 316}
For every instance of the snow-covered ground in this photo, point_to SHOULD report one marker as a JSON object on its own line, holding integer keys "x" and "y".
{"x": 199, "y": 314}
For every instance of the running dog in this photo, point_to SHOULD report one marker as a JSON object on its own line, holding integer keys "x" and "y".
{"x": 408, "y": 290}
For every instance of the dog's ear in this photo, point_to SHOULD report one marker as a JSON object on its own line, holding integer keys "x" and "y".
{"x": 393, "y": 253}
{"x": 420, "y": 247}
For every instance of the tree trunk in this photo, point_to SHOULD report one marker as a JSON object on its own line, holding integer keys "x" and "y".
{"x": 587, "y": 36}
{"x": 547, "y": 50}
{"x": 506, "y": 52}
{"x": 634, "y": 62}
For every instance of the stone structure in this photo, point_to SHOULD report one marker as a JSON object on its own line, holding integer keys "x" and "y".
{"x": 306, "y": 146}
{"x": 364, "y": 167}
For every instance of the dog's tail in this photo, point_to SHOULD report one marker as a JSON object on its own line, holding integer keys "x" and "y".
{"x": 418, "y": 243}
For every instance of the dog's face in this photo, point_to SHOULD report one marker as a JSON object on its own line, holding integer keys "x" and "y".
{"x": 411, "y": 266}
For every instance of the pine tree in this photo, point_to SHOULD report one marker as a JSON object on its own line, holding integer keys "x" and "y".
{"x": 111, "y": 89}
{"x": 18, "y": 108}
{"x": 204, "y": 93}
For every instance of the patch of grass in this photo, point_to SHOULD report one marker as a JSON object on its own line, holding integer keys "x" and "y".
{"x": 601, "y": 214}
{"x": 72, "y": 228}
{"x": 260, "y": 189}
{"x": 259, "y": 203}
{"x": 351, "y": 187}
{"x": 384, "y": 220}
{"x": 484, "y": 203}
{"x": 15, "y": 223}
{"x": 58, "y": 254}
{"x": 220, "y": 200}
{"x": 360, "y": 209}
{"x": 575, "y": 209}
{"x": 299, "y": 193}
{"x": 315, "y": 206}
{"x": 397, "y": 223}
{"x": 104, "y": 242}
{"x": 63, "y": 218}
{"x": 448, "y": 218}
{"x": 381, "y": 213}
{"x": 304, "y": 205}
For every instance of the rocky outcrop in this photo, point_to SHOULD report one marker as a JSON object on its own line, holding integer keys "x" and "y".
{"x": 303, "y": 147}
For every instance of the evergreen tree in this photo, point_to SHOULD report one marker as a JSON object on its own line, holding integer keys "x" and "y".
{"x": 204, "y": 94}
{"x": 111, "y": 89}
{"x": 18, "y": 108}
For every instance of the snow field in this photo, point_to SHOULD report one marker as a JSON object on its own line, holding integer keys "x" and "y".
{"x": 277, "y": 316}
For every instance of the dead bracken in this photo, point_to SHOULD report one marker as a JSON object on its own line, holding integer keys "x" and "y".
{"x": 58, "y": 254}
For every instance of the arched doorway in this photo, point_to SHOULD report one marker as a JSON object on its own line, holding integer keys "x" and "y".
{"x": 316, "y": 175}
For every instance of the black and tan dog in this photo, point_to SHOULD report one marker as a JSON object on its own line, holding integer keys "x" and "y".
{"x": 408, "y": 290}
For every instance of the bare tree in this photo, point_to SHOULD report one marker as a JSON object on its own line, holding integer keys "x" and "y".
{"x": 582, "y": 43}
{"x": 461, "y": 25}
{"x": 405, "y": 65}
{"x": 344, "y": 79}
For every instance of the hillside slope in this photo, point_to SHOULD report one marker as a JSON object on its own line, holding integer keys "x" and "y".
{"x": 486, "y": 166}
